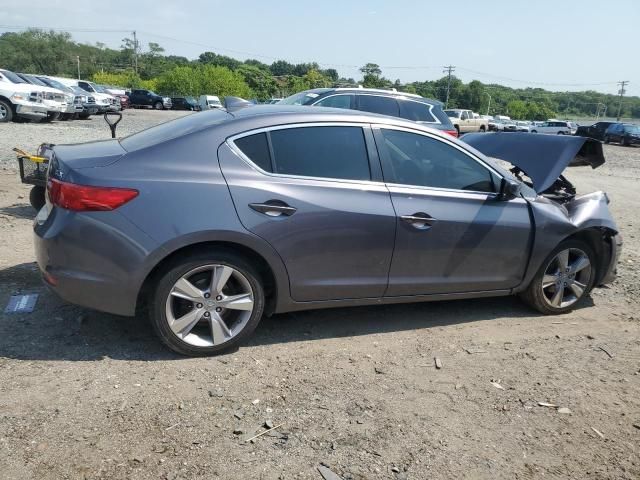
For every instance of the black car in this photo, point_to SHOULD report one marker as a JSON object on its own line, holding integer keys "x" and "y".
{"x": 184, "y": 103}
{"x": 146, "y": 98}
{"x": 597, "y": 130}
{"x": 385, "y": 102}
{"x": 625, "y": 133}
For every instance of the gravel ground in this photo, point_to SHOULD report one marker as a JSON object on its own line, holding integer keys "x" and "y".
{"x": 85, "y": 395}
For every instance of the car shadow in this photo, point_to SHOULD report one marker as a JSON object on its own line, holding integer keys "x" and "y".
{"x": 56, "y": 330}
{"x": 19, "y": 210}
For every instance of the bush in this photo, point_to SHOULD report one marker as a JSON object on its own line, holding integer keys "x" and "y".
{"x": 203, "y": 80}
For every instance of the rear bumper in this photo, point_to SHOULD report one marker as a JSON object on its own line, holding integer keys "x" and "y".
{"x": 612, "y": 269}
{"x": 94, "y": 260}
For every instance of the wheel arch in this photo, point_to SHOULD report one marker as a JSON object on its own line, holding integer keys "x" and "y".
{"x": 274, "y": 286}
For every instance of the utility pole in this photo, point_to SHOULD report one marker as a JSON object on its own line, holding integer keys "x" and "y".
{"x": 78, "y": 60}
{"x": 135, "y": 52}
{"x": 448, "y": 70}
{"x": 621, "y": 92}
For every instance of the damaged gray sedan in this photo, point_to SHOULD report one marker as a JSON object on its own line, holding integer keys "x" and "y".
{"x": 213, "y": 220}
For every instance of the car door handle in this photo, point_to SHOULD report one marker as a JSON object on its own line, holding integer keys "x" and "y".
{"x": 279, "y": 209}
{"x": 419, "y": 220}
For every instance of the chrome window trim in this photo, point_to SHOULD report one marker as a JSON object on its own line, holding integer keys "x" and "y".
{"x": 450, "y": 143}
{"x": 230, "y": 141}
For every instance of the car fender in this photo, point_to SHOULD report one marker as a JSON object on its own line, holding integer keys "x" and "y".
{"x": 555, "y": 223}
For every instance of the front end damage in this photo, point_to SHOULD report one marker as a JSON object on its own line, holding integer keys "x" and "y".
{"x": 557, "y": 211}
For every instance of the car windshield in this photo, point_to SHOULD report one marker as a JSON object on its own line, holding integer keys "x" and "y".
{"x": 98, "y": 88}
{"x": 12, "y": 77}
{"x": 632, "y": 128}
{"x": 34, "y": 80}
{"x": 302, "y": 98}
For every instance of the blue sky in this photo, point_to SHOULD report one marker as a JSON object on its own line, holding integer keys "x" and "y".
{"x": 558, "y": 45}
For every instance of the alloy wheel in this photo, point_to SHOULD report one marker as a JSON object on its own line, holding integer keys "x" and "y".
{"x": 566, "y": 278}
{"x": 209, "y": 305}
{"x": 3, "y": 112}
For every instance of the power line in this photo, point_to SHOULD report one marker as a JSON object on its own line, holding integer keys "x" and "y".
{"x": 324, "y": 64}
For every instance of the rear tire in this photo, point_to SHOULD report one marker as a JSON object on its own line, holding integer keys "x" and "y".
{"x": 534, "y": 131}
{"x": 554, "y": 275}
{"x": 173, "y": 315}
{"x": 457, "y": 130}
{"x": 625, "y": 142}
{"x": 6, "y": 111}
{"x": 36, "y": 197}
{"x": 482, "y": 128}
{"x": 561, "y": 133}
{"x": 607, "y": 139}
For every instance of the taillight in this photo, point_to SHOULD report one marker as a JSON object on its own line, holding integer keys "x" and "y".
{"x": 86, "y": 198}
{"x": 453, "y": 133}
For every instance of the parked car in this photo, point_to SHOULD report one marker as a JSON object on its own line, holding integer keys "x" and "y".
{"x": 61, "y": 101}
{"x": 87, "y": 101}
{"x": 140, "y": 98}
{"x": 626, "y": 134}
{"x": 104, "y": 101}
{"x": 522, "y": 126}
{"x": 509, "y": 126}
{"x": 555, "y": 127}
{"x": 184, "y": 103}
{"x": 385, "y": 102}
{"x": 314, "y": 208}
{"x": 20, "y": 100}
{"x": 465, "y": 121}
{"x": 100, "y": 92}
{"x": 52, "y": 98}
{"x": 208, "y": 102}
{"x": 597, "y": 130}
{"x": 118, "y": 92}
{"x": 495, "y": 125}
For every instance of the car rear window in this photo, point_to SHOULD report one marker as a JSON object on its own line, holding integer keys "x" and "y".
{"x": 328, "y": 152}
{"x": 256, "y": 148}
{"x": 173, "y": 129}
{"x": 416, "y": 111}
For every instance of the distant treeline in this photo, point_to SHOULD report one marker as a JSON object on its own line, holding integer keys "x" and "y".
{"x": 55, "y": 53}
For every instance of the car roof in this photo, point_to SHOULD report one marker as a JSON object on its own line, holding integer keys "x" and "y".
{"x": 377, "y": 91}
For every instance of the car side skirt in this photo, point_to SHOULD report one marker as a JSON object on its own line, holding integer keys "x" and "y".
{"x": 357, "y": 302}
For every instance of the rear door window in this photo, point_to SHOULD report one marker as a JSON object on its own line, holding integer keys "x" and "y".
{"x": 327, "y": 152}
{"x": 416, "y": 111}
{"x": 378, "y": 104}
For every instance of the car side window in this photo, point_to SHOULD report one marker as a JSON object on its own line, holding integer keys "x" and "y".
{"x": 414, "y": 159}
{"x": 328, "y": 152}
{"x": 416, "y": 111}
{"x": 335, "y": 101}
{"x": 256, "y": 148}
{"x": 378, "y": 104}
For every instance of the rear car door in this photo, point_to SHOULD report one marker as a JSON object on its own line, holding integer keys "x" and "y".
{"x": 454, "y": 234}
{"x": 313, "y": 192}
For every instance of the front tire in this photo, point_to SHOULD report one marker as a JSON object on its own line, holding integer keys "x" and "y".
{"x": 534, "y": 131}
{"x": 158, "y": 106}
{"x": 207, "y": 303}
{"x": 6, "y": 112}
{"x": 565, "y": 278}
{"x": 482, "y": 128}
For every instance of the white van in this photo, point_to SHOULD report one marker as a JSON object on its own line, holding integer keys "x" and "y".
{"x": 208, "y": 102}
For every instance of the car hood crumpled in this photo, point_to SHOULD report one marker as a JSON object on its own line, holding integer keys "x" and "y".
{"x": 542, "y": 158}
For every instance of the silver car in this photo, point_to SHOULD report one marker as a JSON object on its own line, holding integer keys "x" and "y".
{"x": 213, "y": 220}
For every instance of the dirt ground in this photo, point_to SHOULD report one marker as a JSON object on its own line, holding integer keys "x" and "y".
{"x": 86, "y": 395}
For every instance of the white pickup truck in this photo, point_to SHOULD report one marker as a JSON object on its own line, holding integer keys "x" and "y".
{"x": 466, "y": 121}
{"x": 19, "y": 99}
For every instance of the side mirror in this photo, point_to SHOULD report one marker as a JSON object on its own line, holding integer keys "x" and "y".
{"x": 508, "y": 189}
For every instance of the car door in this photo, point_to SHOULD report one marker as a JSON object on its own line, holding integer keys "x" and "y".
{"x": 313, "y": 192}
{"x": 454, "y": 233}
